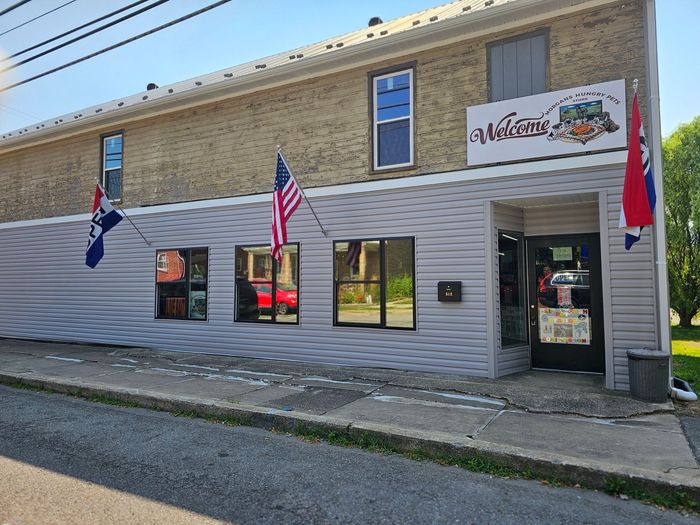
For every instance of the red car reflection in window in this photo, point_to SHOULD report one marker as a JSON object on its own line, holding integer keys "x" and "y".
{"x": 286, "y": 296}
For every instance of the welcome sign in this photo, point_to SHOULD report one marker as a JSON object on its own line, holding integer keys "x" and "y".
{"x": 566, "y": 122}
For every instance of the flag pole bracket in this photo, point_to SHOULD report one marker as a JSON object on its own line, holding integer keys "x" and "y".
{"x": 323, "y": 230}
{"x": 125, "y": 215}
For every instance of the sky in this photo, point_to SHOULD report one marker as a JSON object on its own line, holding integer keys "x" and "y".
{"x": 240, "y": 31}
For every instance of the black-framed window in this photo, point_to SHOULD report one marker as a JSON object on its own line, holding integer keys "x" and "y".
{"x": 112, "y": 156}
{"x": 392, "y": 119}
{"x": 181, "y": 283}
{"x": 374, "y": 283}
{"x": 511, "y": 289}
{"x": 518, "y": 66}
{"x": 267, "y": 291}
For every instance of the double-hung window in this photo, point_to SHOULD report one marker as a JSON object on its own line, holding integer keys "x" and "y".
{"x": 265, "y": 290}
{"x": 374, "y": 283}
{"x": 392, "y": 126}
{"x": 181, "y": 284}
{"x": 112, "y": 155}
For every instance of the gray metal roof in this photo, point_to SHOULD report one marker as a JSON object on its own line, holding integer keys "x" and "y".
{"x": 384, "y": 30}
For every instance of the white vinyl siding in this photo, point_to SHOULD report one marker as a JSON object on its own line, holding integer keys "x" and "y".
{"x": 49, "y": 293}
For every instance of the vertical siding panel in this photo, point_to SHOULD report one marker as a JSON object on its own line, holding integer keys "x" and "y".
{"x": 496, "y": 72}
{"x": 524, "y": 61}
{"x": 510, "y": 70}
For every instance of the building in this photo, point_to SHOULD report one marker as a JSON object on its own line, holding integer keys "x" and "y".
{"x": 467, "y": 162}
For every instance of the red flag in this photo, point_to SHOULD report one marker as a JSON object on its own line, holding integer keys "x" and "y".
{"x": 638, "y": 194}
{"x": 635, "y": 202}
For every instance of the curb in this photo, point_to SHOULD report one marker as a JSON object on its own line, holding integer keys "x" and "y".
{"x": 540, "y": 465}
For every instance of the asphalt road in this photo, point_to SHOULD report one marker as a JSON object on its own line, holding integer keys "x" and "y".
{"x": 64, "y": 460}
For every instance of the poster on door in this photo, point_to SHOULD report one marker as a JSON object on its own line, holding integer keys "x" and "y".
{"x": 569, "y": 326}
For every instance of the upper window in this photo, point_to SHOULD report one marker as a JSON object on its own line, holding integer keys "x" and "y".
{"x": 392, "y": 128}
{"x": 267, "y": 291}
{"x": 374, "y": 283}
{"x": 181, "y": 284}
{"x": 518, "y": 67}
{"x": 112, "y": 153}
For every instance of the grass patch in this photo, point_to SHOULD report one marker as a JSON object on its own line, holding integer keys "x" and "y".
{"x": 678, "y": 500}
{"x": 686, "y": 354}
{"x": 191, "y": 414}
{"x": 27, "y": 386}
{"x": 107, "y": 400}
{"x": 228, "y": 421}
{"x": 473, "y": 462}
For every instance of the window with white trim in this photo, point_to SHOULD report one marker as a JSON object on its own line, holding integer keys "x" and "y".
{"x": 392, "y": 126}
{"x": 112, "y": 154}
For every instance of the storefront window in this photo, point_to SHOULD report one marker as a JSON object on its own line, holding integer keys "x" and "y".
{"x": 265, "y": 290}
{"x": 374, "y": 283}
{"x": 181, "y": 284}
{"x": 511, "y": 289}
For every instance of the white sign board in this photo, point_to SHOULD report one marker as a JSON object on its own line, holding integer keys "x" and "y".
{"x": 566, "y": 122}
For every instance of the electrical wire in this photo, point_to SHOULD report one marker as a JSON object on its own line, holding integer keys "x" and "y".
{"x": 85, "y": 35}
{"x": 71, "y": 31}
{"x": 118, "y": 44}
{"x": 20, "y": 112}
{"x": 13, "y": 7}
{"x": 37, "y": 17}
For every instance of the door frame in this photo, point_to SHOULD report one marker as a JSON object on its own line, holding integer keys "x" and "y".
{"x": 597, "y": 287}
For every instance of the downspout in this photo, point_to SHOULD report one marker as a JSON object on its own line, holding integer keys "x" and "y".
{"x": 662, "y": 293}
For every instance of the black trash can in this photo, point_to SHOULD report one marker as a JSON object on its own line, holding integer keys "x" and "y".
{"x": 648, "y": 373}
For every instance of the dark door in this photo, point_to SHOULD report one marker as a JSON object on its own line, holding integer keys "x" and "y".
{"x": 565, "y": 303}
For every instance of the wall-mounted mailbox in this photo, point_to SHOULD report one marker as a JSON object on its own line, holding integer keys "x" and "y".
{"x": 450, "y": 291}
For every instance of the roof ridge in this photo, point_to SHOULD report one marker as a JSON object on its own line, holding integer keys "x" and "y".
{"x": 359, "y": 36}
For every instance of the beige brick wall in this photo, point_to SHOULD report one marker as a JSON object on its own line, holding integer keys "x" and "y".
{"x": 228, "y": 148}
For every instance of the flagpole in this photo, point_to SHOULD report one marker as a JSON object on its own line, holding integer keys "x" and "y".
{"x": 323, "y": 230}
{"x": 125, "y": 215}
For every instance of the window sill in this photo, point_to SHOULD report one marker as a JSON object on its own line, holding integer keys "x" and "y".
{"x": 181, "y": 319}
{"x": 379, "y": 171}
{"x": 373, "y": 327}
{"x": 266, "y": 321}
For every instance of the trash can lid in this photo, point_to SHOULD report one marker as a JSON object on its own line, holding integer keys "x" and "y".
{"x": 646, "y": 353}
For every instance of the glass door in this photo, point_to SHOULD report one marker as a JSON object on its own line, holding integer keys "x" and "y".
{"x": 566, "y": 317}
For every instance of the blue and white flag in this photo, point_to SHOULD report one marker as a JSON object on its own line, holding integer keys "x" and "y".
{"x": 104, "y": 218}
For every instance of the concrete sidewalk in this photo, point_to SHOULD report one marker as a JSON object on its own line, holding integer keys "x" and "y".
{"x": 560, "y": 425}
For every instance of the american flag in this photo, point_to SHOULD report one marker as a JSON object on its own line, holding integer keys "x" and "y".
{"x": 353, "y": 256}
{"x": 286, "y": 197}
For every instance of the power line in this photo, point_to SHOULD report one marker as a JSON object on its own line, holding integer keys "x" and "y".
{"x": 109, "y": 15}
{"x": 20, "y": 112}
{"x": 13, "y": 7}
{"x": 37, "y": 17}
{"x": 119, "y": 44}
{"x": 85, "y": 35}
